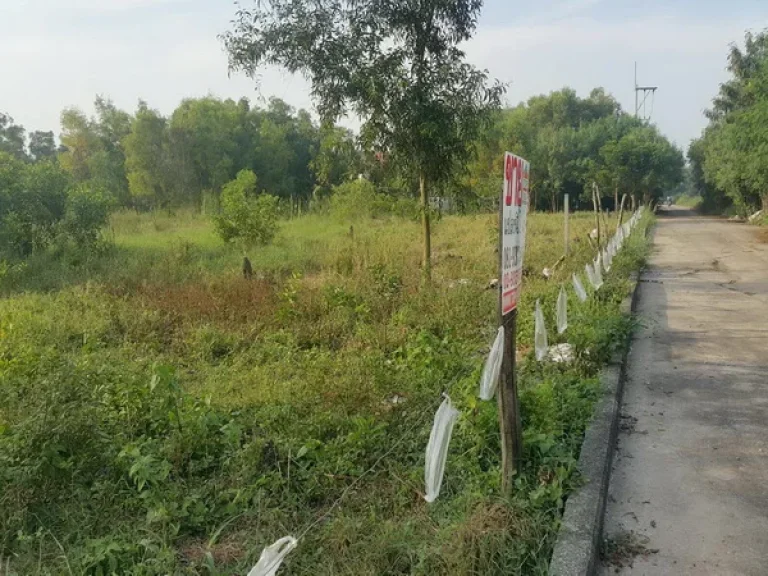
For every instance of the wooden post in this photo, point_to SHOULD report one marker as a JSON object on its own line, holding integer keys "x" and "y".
{"x": 567, "y": 233}
{"x": 516, "y": 173}
{"x": 427, "y": 254}
{"x": 595, "y": 201}
{"x": 509, "y": 404}
{"x": 621, "y": 212}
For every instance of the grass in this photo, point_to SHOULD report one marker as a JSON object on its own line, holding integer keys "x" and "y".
{"x": 689, "y": 201}
{"x": 163, "y": 415}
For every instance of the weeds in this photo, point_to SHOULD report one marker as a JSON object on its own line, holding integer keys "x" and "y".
{"x": 163, "y": 415}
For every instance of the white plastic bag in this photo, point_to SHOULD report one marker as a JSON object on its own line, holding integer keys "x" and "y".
{"x": 490, "y": 378}
{"x": 578, "y": 287}
{"x": 590, "y": 272}
{"x": 562, "y": 311}
{"x": 437, "y": 448}
{"x": 272, "y": 557}
{"x": 598, "y": 272}
{"x": 540, "y": 335}
{"x": 561, "y": 352}
{"x": 607, "y": 260}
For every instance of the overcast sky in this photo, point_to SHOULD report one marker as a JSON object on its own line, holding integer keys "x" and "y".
{"x": 58, "y": 53}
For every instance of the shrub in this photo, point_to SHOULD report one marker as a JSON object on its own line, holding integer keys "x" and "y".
{"x": 32, "y": 204}
{"x": 244, "y": 216}
{"x": 87, "y": 213}
{"x": 358, "y": 199}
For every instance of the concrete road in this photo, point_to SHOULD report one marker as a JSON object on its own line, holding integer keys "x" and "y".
{"x": 689, "y": 489}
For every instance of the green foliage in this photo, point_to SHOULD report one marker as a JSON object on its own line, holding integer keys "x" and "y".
{"x": 399, "y": 67}
{"x": 359, "y": 199}
{"x": 572, "y": 142}
{"x": 244, "y": 215}
{"x": 32, "y": 204}
{"x": 728, "y": 161}
{"x": 87, "y": 214}
{"x": 11, "y": 137}
{"x": 162, "y": 415}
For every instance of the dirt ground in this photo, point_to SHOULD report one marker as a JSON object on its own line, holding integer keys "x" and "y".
{"x": 689, "y": 489}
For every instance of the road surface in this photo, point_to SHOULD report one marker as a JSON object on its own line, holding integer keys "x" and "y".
{"x": 689, "y": 489}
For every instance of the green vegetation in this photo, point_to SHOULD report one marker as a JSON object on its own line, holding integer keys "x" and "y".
{"x": 689, "y": 201}
{"x": 163, "y": 415}
{"x": 572, "y": 142}
{"x": 728, "y": 165}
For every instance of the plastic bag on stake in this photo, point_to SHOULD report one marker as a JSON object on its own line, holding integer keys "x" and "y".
{"x": 437, "y": 448}
{"x": 490, "y": 378}
{"x": 590, "y": 272}
{"x": 598, "y": 272}
{"x": 606, "y": 260}
{"x": 540, "y": 335}
{"x": 272, "y": 557}
{"x": 578, "y": 287}
{"x": 562, "y": 311}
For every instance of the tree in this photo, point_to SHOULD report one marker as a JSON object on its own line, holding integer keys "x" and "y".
{"x": 11, "y": 137}
{"x": 245, "y": 215}
{"x": 336, "y": 160}
{"x": 397, "y": 65}
{"x": 42, "y": 145}
{"x": 146, "y": 159}
{"x": 107, "y": 164}
{"x": 728, "y": 162}
{"x": 79, "y": 143}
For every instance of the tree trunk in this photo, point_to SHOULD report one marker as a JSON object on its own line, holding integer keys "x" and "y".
{"x": 427, "y": 257}
{"x": 615, "y": 197}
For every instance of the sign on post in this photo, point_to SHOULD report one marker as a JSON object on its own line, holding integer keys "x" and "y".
{"x": 513, "y": 212}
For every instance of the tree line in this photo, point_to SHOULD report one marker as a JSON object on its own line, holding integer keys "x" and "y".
{"x": 147, "y": 161}
{"x": 729, "y": 162}
{"x": 572, "y": 142}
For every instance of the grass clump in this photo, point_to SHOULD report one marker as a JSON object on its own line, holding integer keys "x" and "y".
{"x": 163, "y": 415}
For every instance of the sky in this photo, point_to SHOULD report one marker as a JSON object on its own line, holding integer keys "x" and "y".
{"x": 60, "y": 53}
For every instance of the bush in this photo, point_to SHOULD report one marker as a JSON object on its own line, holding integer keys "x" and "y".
{"x": 32, "y": 204}
{"x": 358, "y": 199}
{"x": 243, "y": 216}
{"x": 87, "y": 213}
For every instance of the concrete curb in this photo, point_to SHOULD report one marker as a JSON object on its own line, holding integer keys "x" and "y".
{"x": 577, "y": 548}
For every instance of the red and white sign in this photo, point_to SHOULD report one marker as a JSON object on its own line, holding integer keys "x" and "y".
{"x": 514, "y": 211}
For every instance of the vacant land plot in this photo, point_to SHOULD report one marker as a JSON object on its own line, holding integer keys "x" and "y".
{"x": 161, "y": 414}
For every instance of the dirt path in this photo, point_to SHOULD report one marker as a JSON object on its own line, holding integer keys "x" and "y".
{"x": 689, "y": 490}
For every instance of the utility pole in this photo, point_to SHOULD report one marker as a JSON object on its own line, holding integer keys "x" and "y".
{"x": 645, "y": 90}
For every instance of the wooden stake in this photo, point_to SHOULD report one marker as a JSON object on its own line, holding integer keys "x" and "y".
{"x": 621, "y": 212}
{"x": 565, "y": 211}
{"x": 595, "y": 202}
{"x": 509, "y": 406}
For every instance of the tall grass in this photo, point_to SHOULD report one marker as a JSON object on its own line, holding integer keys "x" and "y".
{"x": 164, "y": 415}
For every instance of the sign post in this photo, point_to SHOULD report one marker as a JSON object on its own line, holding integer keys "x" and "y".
{"x": 513, "y": 211}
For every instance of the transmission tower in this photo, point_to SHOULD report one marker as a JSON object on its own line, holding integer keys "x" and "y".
{"x": 646, "y": 90}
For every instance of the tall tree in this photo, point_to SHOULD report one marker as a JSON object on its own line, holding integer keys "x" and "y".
{"x": 397, "y": 65}
{"x": 111, "y": 126}
{"x": 146, "y": 156}
{"x": 79, "y": 142}
{"x": 42, "y": 145}
{"x": 11, "y": 137}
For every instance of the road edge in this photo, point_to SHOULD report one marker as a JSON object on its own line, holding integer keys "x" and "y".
{"x": 577, "y": 549}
